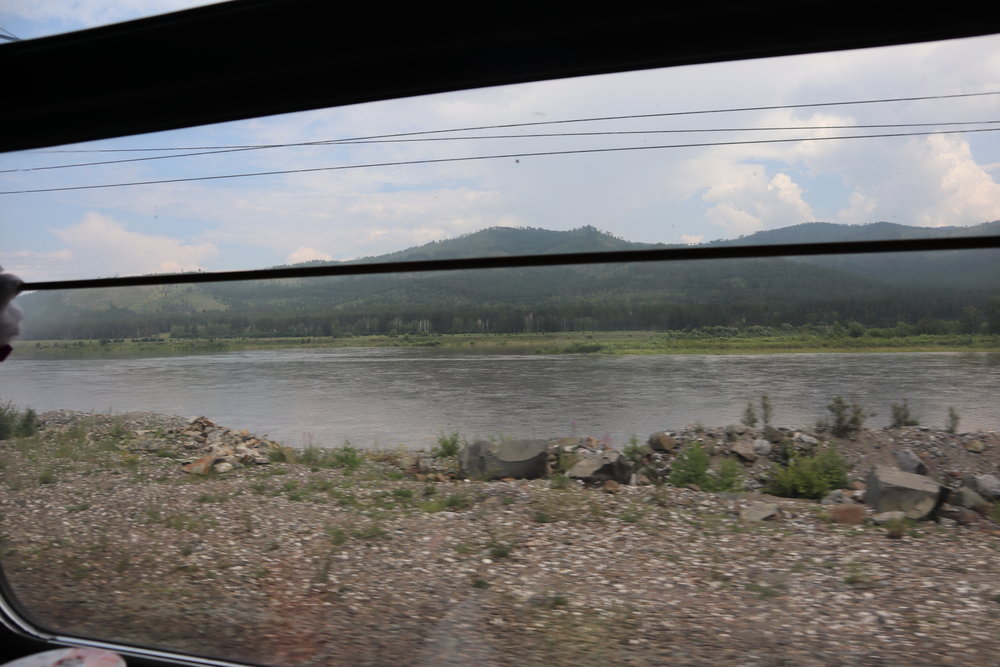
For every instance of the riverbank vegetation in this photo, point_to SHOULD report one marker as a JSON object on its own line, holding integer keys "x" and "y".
{"x": 707, "y": 340}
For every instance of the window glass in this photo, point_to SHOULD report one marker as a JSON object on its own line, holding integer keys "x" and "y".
{"x": 629, "y": 463}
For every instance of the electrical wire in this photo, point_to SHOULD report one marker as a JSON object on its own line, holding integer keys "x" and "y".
{"x": 485, "y": 157}
{"x": 351, "y": 142}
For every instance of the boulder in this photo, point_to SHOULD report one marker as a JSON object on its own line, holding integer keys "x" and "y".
{"x": 605, "y": 466}
{"x": 988, "y": 486}
{"x": 886, "y": 517}
{"x": 910, "y": 462}
{"x": 661, "y": 441}
{"x": 760, "y": 512}
{"x": 975, "y": 446}
{"x": 894, "y": 490}
{"x": 518, "y": 459}
{"x": 966, "y": 497}
{"x": 853, "y": 514}
{"x": 745, "y": 450}
{"x": 762, "y": 447}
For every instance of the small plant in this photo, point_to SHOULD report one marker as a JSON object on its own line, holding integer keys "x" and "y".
{"x": 17, "y": 424}
{"x": 692, "y": 468}
{"x": 810, "y": 476}
{"x": 347, "y": 457}
{"x": 952, "y": 420}
{"x": 765, "y": 410}
{"x": 749, "y": 416}
{"x": 901, "y": 415}
{"x": 447, "y": 446}
{"x": 480, "y": 583}
{"x": 847, "y": 418}
{"x": 560, "y": 482}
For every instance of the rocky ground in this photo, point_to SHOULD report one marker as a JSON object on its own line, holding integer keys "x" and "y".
{"x": 161, "y": 531}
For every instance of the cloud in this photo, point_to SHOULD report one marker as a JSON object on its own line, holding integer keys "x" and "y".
{"x": 692, "y": 239}
{"x": 929, "y": 182}
{"x": 304, "y": 254}
{"x": 748, "y": 201}
{"x": 98, "y": 245}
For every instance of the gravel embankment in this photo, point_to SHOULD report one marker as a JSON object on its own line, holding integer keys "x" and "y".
{"x": 105, "y": 535}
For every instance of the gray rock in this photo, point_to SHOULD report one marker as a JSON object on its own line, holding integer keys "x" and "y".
{"x": 988, "y": 486}
{"x": 607, "y": 465}
{"x": 966, "y": 497}
{"x": 910, "y": 462}
{"x": 890, "y": 490}
{"x": 759, "y": 512}
{"x": 762, "y": 447}
{"x": 805, "y": 439}
{"x": 520, "y": 459}
{"x": 886, "y": 517}
{"x": 772, "y": 434}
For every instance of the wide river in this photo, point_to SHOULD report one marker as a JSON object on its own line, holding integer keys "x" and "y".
{"x": 388, "y": 397}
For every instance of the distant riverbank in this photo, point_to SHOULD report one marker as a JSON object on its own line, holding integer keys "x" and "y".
{"x": 617, "y": 343}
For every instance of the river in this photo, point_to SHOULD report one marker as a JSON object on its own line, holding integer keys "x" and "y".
{"x": 386, "y": 397}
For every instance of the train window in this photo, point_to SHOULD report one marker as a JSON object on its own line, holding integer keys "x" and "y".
{"x": 587, "y": 370}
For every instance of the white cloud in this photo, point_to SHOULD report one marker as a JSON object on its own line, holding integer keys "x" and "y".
{"x": 748, "y": 201}
{"x": 929, "y": 182}
{"x": 101, "y": 246}
{"x": 304, "y": 254}
{"x": 692, "y": 239}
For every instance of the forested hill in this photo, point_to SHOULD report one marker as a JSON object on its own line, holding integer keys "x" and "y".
{"x": 875, "y": 291}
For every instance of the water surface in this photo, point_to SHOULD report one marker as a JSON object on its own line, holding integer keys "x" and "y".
{"x": 379, "y": 397}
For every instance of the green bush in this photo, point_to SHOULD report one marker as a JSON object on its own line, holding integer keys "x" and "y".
{"x": 448, "y": 445}
{"x": 692, "y": 467}
{"x": 847, "y": 417}
{"x": 347, "y": 457}
{"x": 809, "y": 476}
{"x": 901, "y": 415}
{"x": 15, "y": 423}
{"x": 952, "y": 420}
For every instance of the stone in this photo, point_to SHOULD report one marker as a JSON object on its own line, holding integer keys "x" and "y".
{"x": 604, "y": 466}
{"x": 886, "y": 517}
{"x": 975, "y": 446}
{"x": 966, "y": 497}
{"x": 760, "y": 512}
{"x": 805, "y": 439}
{"x": 891, "y": 489}
{"x": 910, "y": 462}
{"x": 661, "y": 441}
{"x": 772, "y": 434}
{"x": 853, "y": 514}
{"x": 988, "y": 486}
{"x": 762, "y": 447}
{"x": 520, "y": 459}
{"x": 745, "y": 450}
{"x": 202, "y": 466}
{"x": 223, "y": 467}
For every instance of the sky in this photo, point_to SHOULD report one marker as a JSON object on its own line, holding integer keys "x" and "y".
{"x": 655, "y": 193}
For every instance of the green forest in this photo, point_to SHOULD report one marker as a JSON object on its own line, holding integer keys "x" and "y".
{"x": 903, "y": 294}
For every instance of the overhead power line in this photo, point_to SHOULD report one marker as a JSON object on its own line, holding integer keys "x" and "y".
{"x": 486, "y": 157}
{"x": 543, "y": 135}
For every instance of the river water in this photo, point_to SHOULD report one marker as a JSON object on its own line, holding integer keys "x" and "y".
{"x": 387, "y": 397}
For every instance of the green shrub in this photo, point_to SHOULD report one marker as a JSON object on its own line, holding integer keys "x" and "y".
{"x": 952, "y": 420}
{"x": 810, "y": 476}
{"x": 447, "y": 446}
{"x": 692, "y": 467}
{"x": 749, "y": 416}
{"x": 847, "y": 418}
{"x": 17, "y": 424}
{"x": 347, "y": 457}
{"x": 901, "y": 415}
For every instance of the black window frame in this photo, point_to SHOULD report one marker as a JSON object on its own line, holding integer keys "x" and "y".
{"x": 251, "y": 58}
